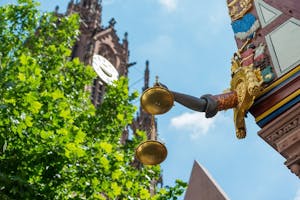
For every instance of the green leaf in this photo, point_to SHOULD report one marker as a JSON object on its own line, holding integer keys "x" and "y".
{"x": 65, "y": 114}
{"x": 21, "y": 77}
{"x": 63, "y": 131}
{"x": 35, "y": 107}
{"x": 37, "y": 71}
{"x": 57, "y": 94}
{"x": 46, "y": 134}
{"x": 28, "y": 121}
{"x": 95, "y": 182}
{"x": 104, "y": 162}
{"x": 74, "y": 150}
{"x": 116, "y": 189}
{"x": 106, "y": 147}
{"x": 120, "y": 116}
{"x": 119, "y": 156}
{"x": 23, "y": 59}
{"x": 144, "y": 194}
{"x": 116, "y": 174}
{"x": 80, "y": 137}
{"x": 128, "y": 184}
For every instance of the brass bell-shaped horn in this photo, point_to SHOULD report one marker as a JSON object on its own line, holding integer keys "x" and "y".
{"x": 151, "y": 152}
{"x": 157, "y": 100}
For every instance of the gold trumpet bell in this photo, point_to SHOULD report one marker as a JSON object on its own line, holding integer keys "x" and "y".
{"x": 157, "y": 100}
{"x": 154, "y": 101}
{"x": 151, "y": 152}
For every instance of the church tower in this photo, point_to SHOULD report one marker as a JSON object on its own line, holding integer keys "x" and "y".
{"x": 94, "y": 39}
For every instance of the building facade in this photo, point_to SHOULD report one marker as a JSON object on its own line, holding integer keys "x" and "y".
{"x": 95, "y": 39}
{"x": 267, "y": 33}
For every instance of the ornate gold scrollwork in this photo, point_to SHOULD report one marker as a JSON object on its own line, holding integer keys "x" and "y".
{"x": 238, "y": 8}
{"x": 247, "y": 82}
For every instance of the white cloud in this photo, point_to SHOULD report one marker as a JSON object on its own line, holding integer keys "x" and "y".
{"x": 297, "y": 197}
{"x": 170, "y": 5}
{"x": 193, "y": 122}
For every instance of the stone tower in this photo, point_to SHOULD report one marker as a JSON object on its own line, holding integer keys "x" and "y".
{"x": 95, "y": 39}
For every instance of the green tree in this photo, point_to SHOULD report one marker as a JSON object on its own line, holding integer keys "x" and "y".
{"x": 54, "y": 144}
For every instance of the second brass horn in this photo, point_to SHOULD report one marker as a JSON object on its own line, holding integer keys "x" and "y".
{"x": 151, "y": 152}
{"x": 157, "y": 100}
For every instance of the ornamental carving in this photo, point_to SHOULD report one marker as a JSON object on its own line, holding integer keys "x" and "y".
{"x": 287, "y": 128}
{"x": 238, "y": 8}
{"x": 293, "y": 163}
{"x": 107, "y": 52}
{"x": 247, "y": 83}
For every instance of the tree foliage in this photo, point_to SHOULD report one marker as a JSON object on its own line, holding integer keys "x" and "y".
{"x": 54, "y": 144}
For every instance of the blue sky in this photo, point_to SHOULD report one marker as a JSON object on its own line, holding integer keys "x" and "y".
{"x": 189, "y": 45}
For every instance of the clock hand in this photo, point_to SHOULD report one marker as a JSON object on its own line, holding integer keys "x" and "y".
{"x": 106, "y": 72}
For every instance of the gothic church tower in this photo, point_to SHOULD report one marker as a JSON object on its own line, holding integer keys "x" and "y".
{"x": 98, "y": 40}
{"x": 94, "y": 39}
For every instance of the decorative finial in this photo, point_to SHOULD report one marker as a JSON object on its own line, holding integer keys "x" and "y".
{"x": 112, "y": 22}
{"x": 156, "y": 80}
{"x": 131, "y": 64}
{"x": 56, "y": 9}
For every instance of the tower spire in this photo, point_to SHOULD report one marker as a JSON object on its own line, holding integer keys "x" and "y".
{"x": 90, "y": 3}
{"x": 146, "y": 76}
{"x": 90, "y": 12}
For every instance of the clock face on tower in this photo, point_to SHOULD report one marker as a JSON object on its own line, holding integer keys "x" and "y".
{"x": 105, "y": 70}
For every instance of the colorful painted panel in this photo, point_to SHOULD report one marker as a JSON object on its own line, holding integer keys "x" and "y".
{"x": 266, "y": 13}
{"x": 284, "y": 46}
{"x": 245, "y": 27}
